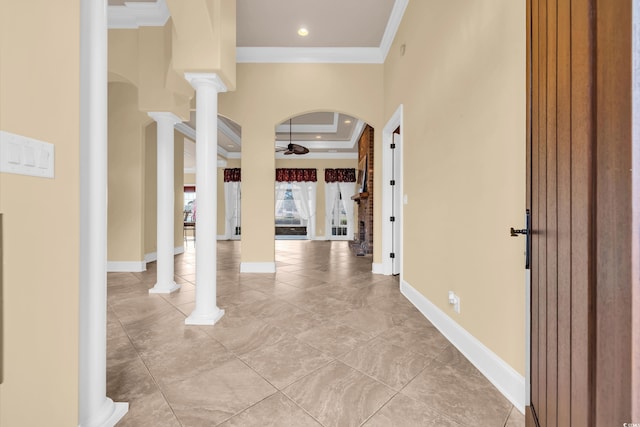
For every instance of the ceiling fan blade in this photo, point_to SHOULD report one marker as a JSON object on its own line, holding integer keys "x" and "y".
{"x": 286, "y": 153}
{"x": 299, "y": 149}
{"x": 280, "y": 149}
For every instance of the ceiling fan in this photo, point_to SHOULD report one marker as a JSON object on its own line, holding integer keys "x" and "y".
{"x": 292, "y": 148}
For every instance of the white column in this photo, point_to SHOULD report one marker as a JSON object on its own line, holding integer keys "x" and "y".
{"x": 207, "y": 87}
{"x": 165, "y": 209}
{"x": 94, "y": 407}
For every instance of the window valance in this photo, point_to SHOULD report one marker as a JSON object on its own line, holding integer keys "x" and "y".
{"x": 340, "y": 175}
{"x": 296, "y": 175}
{"x": 232, "y": 175}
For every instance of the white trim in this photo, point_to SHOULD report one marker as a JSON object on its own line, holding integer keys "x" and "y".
{"x": 392, "y": 27}
{"x": 527, "y": 334}
{"x": 223, "y": 237}
{"x": 221, "y": 163}
{"x": 357, "y": 133}
{"x": 153, "y": 256}
{"x": 230, "y": 133}
{"x": 309, "y": 128}
{"x": 186, "y": 130}
{"x": 317, "y": 156}
{"x": 338, "y": 239}
{"x": 377, "y": 268}
{"x": 313, "y": 55}
{"x": 345, "y": 144}
{"x": 189, "y": 132}
{"x": 257, "y": 267}
{"x": 126, "y": 266}
{"x": 387, "y": 165}
{"x": 293, "y": 237}
{"x": 138, "y": 14}
{"x": 506, "y": 379}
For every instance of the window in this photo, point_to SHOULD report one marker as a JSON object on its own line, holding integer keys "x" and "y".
{"x": 286, "y": 212}
{"x": 189, "y": 200}
{"x": 339, "y": 217}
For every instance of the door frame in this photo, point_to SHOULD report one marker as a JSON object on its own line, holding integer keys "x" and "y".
{"x": 396, "y": 120}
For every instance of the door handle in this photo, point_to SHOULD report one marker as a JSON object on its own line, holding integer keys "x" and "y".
{"x": 513, "y": 232}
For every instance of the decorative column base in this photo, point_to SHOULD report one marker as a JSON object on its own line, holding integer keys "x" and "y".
{"x": 164, "y": 289}
{"x": 209, "y": 319}
{"x": 115, "y": 411}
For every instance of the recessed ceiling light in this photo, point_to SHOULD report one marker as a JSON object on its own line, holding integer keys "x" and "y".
{"x": 347, "y": 121}
{"x": 318, "y": 137}
{"x": 302, "y": 31}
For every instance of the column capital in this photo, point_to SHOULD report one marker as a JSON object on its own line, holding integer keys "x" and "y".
{"x": 164, "y": 116}
{"x": 206, "y": 79}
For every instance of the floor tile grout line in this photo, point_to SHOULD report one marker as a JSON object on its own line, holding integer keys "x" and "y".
{"x": 155, "y": 381}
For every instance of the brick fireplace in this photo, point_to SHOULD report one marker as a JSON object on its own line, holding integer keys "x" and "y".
{"x": 363, "y": 244}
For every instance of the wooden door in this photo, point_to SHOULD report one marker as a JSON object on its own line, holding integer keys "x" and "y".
{"x": 580, "y": 196}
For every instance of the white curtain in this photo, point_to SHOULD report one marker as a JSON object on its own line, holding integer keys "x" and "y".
{"x": 281, "y": 188}
{"x": 231, "y": 208}
{"x": 330, "y": 194}
{"x": 311, "y": 227}
{"x": 348, "y": 189}
{"x": 300, "y": 193}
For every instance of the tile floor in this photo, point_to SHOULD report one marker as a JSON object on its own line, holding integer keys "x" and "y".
{"x": 323, "y": 342}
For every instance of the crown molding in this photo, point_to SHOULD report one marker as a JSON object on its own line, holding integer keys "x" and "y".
{"x": 138, "y": 14}
{"x": 312, "y": 55}
{"x": 318, "y": 156}
{"x": 393, "y": 24}
{"x": 190, "y": 133}
{"x": 230, "y": 133}
{"x": 329, "y": 55}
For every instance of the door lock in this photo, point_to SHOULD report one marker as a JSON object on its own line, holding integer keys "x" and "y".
{"x": 527, "y": 233}
{"x": 515, "y": 233}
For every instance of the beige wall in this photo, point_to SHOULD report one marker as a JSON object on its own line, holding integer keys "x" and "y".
{"x": 151, "y": 189}
{"x": 126, "y": 175}
{"x": 204, "y": 37}
{"x": 178, "y": 187}
{"x": 464, "y": 161}
{"x": 39, "y": 98}
{"x": 268, "y": 94}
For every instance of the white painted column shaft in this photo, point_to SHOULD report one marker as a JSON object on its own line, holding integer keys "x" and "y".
{"x": 94, "y": 407}
{"x": 207, "y": 87}
{"x": 165, "y": 283}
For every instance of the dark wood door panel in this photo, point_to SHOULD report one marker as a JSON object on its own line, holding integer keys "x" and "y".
{"x": 581, "y": 197}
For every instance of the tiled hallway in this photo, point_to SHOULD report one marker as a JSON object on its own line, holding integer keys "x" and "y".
{"x": 321, "y": 343}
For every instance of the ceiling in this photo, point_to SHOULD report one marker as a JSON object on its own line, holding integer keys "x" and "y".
{"x": 346, "y": 31}
{"x": 331, "y": 23}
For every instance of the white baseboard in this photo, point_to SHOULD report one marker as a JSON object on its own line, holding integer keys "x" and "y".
{"x": 153, "y": 256}
{"x": 257, "y": 267}
{"x": 377, "y": 268}
{"x": 223, "y": 237}
{"x": 126, "y": 266}
{"x": 506, "y": 379}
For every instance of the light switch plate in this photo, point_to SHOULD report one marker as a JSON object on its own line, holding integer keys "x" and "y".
{"x": 26, "y": 156}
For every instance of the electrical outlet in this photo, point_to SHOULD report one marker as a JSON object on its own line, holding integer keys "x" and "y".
{"x": 454, "y": 300}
